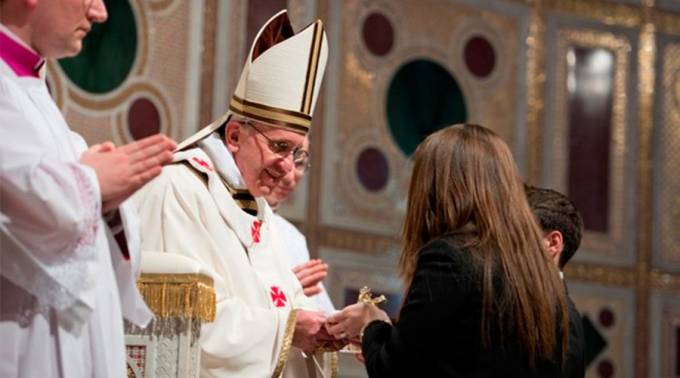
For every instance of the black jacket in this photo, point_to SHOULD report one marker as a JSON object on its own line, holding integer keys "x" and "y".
{"x": 575, "y": 364}
{"x": 438, "y": 332}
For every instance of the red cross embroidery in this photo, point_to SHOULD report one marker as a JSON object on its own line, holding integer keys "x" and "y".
{"x": 255, "y": 231}
{"x": 202, "y": 163}
{"x": 278, "y": 297}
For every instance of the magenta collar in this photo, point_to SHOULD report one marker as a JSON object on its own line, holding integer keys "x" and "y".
{"x": 19, "y": 58}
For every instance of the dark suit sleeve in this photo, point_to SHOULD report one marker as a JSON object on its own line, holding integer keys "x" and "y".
{"x": 437, "y": 294}
{"x": 574, "y": 366}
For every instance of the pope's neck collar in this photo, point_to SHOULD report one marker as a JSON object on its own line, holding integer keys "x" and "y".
{"x": 223, "y": 160}
{"x": 21, "y": 58}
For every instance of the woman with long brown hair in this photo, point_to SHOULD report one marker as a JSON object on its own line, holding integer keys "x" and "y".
{"x": 482, "y": 298}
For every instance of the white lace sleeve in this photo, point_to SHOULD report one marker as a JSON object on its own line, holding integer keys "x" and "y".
{"x": 53, "y": 205}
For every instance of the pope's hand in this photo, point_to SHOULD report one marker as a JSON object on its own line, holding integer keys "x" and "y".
{"x": 307, "y": 326}
{"x": 310, "y": 274}
{"x": 328, "y": 342}
{"x": 122, "y": 171}
{"x": 349, "y": 322}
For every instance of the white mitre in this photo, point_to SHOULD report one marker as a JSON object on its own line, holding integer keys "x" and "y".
{"x": 281, "y": 79}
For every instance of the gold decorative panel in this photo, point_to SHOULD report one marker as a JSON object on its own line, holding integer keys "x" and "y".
{"x": 603, "y": 275}
{"x": 665, "y": 335}
{"x": 596, "y": 246}
{"x": 667, "y": 160}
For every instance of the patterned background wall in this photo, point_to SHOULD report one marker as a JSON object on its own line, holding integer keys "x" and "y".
{"x": 586, "y": 92}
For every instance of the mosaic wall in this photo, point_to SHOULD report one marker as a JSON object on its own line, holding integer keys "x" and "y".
{"x": 666, "y": 239}
{"x": 135, "y": 76}
{"x": 586, "y": 92}
{"x": 665, "y": 332}
{"x": 452, "y": 64}
{"x": 608, "y": 318}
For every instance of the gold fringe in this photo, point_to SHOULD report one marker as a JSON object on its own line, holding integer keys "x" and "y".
{"x": 189, "y": 296}
{"x": 287, "y": 343}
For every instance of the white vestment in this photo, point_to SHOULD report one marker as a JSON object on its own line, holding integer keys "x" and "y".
{"x": 298, "y": 253}
{"x": 64, "y": 280}
{"x": 189, "y": 210}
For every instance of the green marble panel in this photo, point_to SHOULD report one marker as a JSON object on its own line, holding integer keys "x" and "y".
{"x": 422, "y": 98}
{"x": 108, "y": 51}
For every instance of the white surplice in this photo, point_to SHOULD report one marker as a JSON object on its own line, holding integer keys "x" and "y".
{"x": 298, "y": 253}
{"x": 188, "y": 210}
{"x": 64, "y": 282}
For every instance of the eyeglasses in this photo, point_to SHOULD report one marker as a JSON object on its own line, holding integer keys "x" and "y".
{"x": 284, "y": 148}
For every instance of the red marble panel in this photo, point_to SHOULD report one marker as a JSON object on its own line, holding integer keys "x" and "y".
{"x": 605, "y": 369}
{"x": 372, "y": 169}
{"x": 480, "y": 57}
{"x": 606, "y": 317}
{"x": 143, "y": 119}
{"x": 378, "y": 34}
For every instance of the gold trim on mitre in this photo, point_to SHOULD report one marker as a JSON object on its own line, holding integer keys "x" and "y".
{"x": 281, "y": 118}
{"x": 280, "y": 81}
{"x": 282, "y": 75}
{"x": 312, "y": 67}
{"x": 287, "y": 343}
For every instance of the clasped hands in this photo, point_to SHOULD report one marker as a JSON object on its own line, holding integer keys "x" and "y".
{"x": 313, "y": 330}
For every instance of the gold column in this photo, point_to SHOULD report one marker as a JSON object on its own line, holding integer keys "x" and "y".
{"x": 311, "y": 226}
{"x": 535, "y": 89}
{"x": 208, "y": 62}
{"x": 646, "y": 55}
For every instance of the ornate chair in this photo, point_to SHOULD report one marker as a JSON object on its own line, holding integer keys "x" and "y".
{"x": 182, "y": 298}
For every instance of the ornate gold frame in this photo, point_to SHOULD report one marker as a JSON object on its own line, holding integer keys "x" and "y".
{"x": 602, "y": 243}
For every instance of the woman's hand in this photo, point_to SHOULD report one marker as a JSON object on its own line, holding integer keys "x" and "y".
{"x": 350, "y": 321}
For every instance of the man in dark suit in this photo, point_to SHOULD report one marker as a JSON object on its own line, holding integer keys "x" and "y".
{"x": 563, "y": 227}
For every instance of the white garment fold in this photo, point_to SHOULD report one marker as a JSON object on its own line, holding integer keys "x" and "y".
{"x": 224, "y": 162}
{"x": 298, "y": 253}
{"x": 188, "y": 210}
{"x": 62, "y": 283}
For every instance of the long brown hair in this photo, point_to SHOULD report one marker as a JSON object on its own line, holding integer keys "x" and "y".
{"x": 464, "y": 177}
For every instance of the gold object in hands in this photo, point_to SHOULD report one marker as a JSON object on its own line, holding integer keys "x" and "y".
{"x": 365, "y": 296}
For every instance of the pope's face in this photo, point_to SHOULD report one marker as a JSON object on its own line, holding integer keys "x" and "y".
{"x": 59, "y": 26}
{"x": 261, "y": 168}
{"x": 287, "y": 184}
